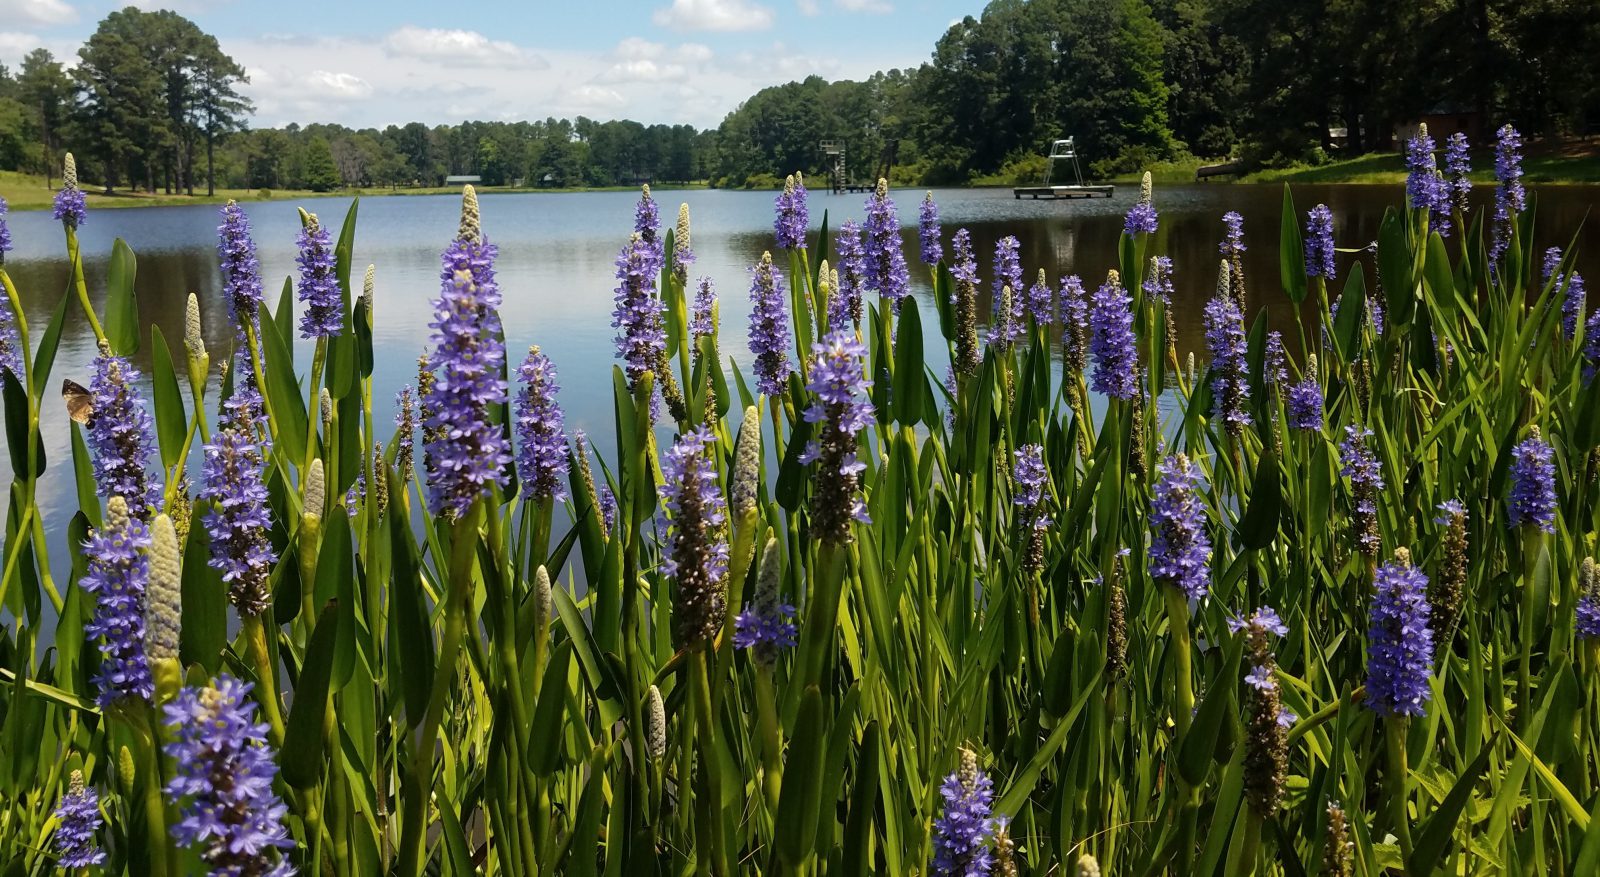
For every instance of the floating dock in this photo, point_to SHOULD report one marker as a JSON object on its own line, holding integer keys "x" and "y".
{"x": 1055, "y": 192}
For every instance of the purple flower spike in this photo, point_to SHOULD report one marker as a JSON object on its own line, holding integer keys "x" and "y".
{"x": 240, "y": 516}
{"x": 793, "y": 216}
{"x": 1141, "y": 218}
{"x": 842, "y": 410}
{"x": 1232, "y": 246}
{"x": 1073, "y": 306}
{"x": 770, "y": 628}
{"x": 1425, "y": 187}
{"x": 928, "y": 232}
{"x": 1510, "y": 199}
{"x": 1591, "y": 345}
{"x": 702, "y": 321}
{"x": 1304, "y": 404}
{"x": 844, "y": 306}
{"x": 1111, "y": 341}
{"x": 1040, "y": 302}
{"x": 1158, "y": 282}
{"x": 1180, "y": 549}
{"x": 223, "y": 788}
{"x": 71, "y": 205}
{"x": 1361, "y": 466}
{"x": 5, "y": 231}
{"x": 962, "y": 833}
{"x": 1008, "y": 273}
{"x": 886, "y": 261}
{"x": 1399, "y": 641}
{"x": 241, "y": 270}
{"x": 1457, "y": 166}
{"x": 118, "y": 571}
{"x": 697, "y": 552}
{"x": 1533, "y": 484}
{"x": 1319, "y": 242}
{"x": 318, "y": 289}
{"x": 647, "y": 224}
{"x": 121, "y": 436}
{"x": 79, "y": 821}
{"x": 637, "y": 316}
{"x": 1277, "y": 372}
{"x": 1588, "y": 611}
{"x": 541, "y": 430}
{"x": 769, "y": 328}
{"x": 1230, "y": 385}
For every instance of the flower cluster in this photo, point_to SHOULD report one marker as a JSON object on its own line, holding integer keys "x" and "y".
{"x": 1457, "y": 167}
{"x": 647, "y": 225}
{"x": 961, "y": 835}
{"x": 1040, "y": 302}
{"x": 318, "y": 288}
{"x": 1444, "y": 598}
{"x": 1030, "y": 475}
{"x": 769, "y": 328}
{"x": 1158, "y": 280}
{"x": 1399, "y": 641}
{"x": 467, "y": 453}
{"x": 697, "y": 554}
{"x": 1591, "y": 345}
{"x": 1361, "y": 466}
{"x": 241, "y": 270}
{"x": 1073, "y": 305}
{"x": 1303, "y": 401}
{"x": 703, "y": 316}
{"x": 964, "y": 271}
{"x": 1275, "y": 368}
{"x": 1572, "y": 305}
{"x": 793, "y": 216}
{"x": 70, "y": 207}
{"x": 223, "y": 787}
{"x": 1267, "y": 749}
{"x": 767, "y": 625}
{"x": 1141, "y": 218}
{"x": 1319, "y": 242}
{"x": 541, "y": 430}
{"x": 1533, "y": 484}
{"x": 240, "y": 515}
{"x": 637, "y": 315}
{"x": 118, "y": 571}
{"x": 1588, "y": 612}
{"x": 885, "y": 260}
{"x": 5, "y": 230}
{"x": 1510, "y": 198}
{"x": 1008, "y": 275}
{"x": 842, "y": 410}
{"x": 78, "y": 821}
{"x": 1232, "y": 246}
{"x": 1180, "y": 548}
{"x": 1426, "y": 189}
{"x": 121, "y": 435}
{"x": 1230, "y": 386}
{"x": 1111, "y": 340}
{"x": 928, "y": 231}
{"x": 682, "y": 253}
{"x": 405, "y": 424}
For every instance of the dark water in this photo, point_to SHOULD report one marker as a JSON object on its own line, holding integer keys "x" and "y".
{"x": 556, "y": 263}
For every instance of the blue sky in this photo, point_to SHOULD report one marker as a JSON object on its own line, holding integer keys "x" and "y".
{"x": 377, "y": 63}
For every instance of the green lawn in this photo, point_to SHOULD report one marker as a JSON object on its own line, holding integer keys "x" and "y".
{"x": 1570, "y": 162}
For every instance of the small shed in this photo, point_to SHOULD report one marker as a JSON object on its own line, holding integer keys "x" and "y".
{"x": 462, "y": 180}
{"x": 1444, "y": 120}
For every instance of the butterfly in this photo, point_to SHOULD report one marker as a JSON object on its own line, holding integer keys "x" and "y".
{"x": 79, "y": 404}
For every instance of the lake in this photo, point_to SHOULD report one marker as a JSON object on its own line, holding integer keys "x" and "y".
{"x": 557, "y": 254}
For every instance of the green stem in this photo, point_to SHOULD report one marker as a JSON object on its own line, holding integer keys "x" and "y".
{"x": 711, "y": 765}
{"x": 255, "y": 635}
{"x": 1394, "y": 739}
{"x": 75, "y": 256}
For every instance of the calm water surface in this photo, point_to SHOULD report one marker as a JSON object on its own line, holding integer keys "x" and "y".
{"x": 557, "y": 254}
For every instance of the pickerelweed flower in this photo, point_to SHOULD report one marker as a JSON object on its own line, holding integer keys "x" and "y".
{"x": 1532, "y": 499}
{"x": 1303, "y": 401}
{"x": 1399, "y": 641}
{"x": 10, "y": 342}
{"x": 1111, "y": 340}
{"x": 1008, "y": 275}
{"x": 1276, "y": 371}
{"x": 240, "y": 516}
{"x": 1073, "y": 305}
{"x": 541, "y": 430}
{"x": 1158, "y": 280}
{"x": 767, "y": 625}
{"x": 961, "y": 835}
{"x": 223, "y": 784}
{"x": 1030, "y": 475}
{"x": 1040, "y": 302}
{"x": 1510, "y": 198}
{"x": 1457, "y": 167}
{"x": 1002, "y": 321}
{"x": 1232, "y": 249}
{"x": 696, "y": 555}
{"x": 1552, "y": 264}
{"x": 1230, "y": 386}
{"x": 928, "y": 231}
{"x": 793, "y": 216}
{"x": 241, "y": 270}
{"x": 1338, "y": 851}
{"x": 1425, "y": 188}
{"x": 70, "y": 202}
{"x": 467, "y": 453}
{"x": 78, "y": 820}
{"x": 318, "y": 289}
{"x": 682, "y": 252}
{"x": 1572, "y": 305}
{"x": 1361, "y": 466}
{"x": 842, "y": 410}
{"x": 886, "y": 262}
{"x": 844, "y": 306}
{"x": 1142, "y": 218}
{"x": 5, "y": 230}
{"x": 405, "y": 423}
{"x": 964, "y": 271}
{"x": 1444, "y": 597}
{"x": 769, "y": 328}
{"x": 702, "y": 318}
{"x": 1588, "y": 611}
{"x": 121, "y": 436}
{"x": 1591, "y": 345}
{"x": 1266, "y": 757}
{"x": 1319, "y": 242}
{"x": 647, "y": 224}
{"x": 637, "y": 316}
{"x": 118, "y": 571}
{"x": 1180, "y": 548}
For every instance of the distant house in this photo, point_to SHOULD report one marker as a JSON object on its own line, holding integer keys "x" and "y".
{"x": 462, "y": 179}
{"x": 549, "y": 181}
{"x": 1442, "y": 121}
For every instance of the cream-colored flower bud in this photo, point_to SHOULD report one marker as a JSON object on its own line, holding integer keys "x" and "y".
{"x": 316, "y": 488}
{"x": 164, "y": 592}
{"x": 69, "y": 172}
{"x": 1145, "y": 188}
{"x": 471, "y": 221}
{"x": 655, "y": 724}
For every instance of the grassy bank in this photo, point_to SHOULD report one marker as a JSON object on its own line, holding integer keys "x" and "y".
{"x": 28, "y": 192}
{"x": 1575, "y": 161}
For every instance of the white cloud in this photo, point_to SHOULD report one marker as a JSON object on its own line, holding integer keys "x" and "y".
{"x": 457, "y": 48}
{"x": 877, "y": 7}
{"x": 721, "y": 15}
{"x": 694, "y": 52}
{"x": 41, "y": 12}
{"x": 338, "y": 86}
{"x": 645, "y": 70}
{"x": 808, "y": 7}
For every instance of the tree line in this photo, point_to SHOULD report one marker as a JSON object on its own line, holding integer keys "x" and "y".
{"x": 154, "y": 102}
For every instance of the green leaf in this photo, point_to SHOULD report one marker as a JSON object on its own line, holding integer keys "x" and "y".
{"x": 172, "y": 425}
{"x": 17, "y": 428}
{"x": 910, "y": 391}
{"x": 1259, "y": 526}
{"x": 863, "y": 802}
{"x": 204, "y": 633}
{"x": 288, "y": 406}
{"x": 1291, "y": 251}
{"x": 122, "y": 306}
{"x": 44, "y": 355}
{"x": 1433, "y": 841}
{"x": 800, "y": 797}
{"x": 412, "y": 637}
{"x": 550, "y": 713}
{"x": 335, "y": 576}
{"x": 1200, "y": 745}
{"x": 302, "y": 756}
